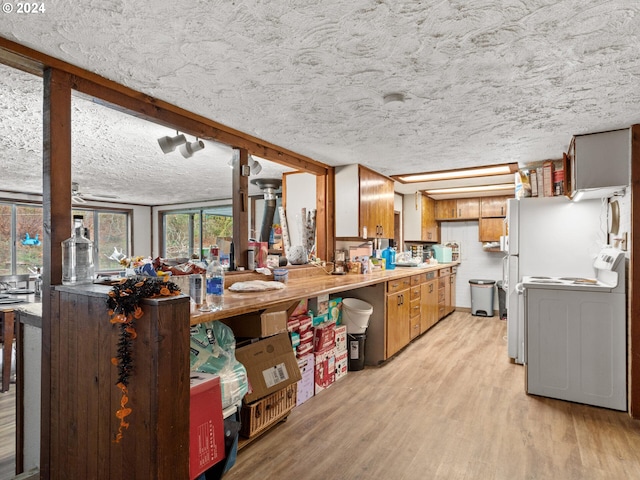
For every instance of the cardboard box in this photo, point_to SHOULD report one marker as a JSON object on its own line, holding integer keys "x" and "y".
{"x": 342, "y": 363}
{"x": 324, "y": 337}
{"x": 341, "y": 337}
{"x": 301, "y": 308}
{"x": 306, "y": 386}
{"x": 206, "y": 427}
{"x": 335, "y": 310}
{"x": 319, "y": 305}
{"x": 270, "y": 321}
{"x": 325, "y": 370}
{"x": 271, "y": 365}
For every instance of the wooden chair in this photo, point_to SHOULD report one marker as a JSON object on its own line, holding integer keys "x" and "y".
{"x": 7, "y": 327}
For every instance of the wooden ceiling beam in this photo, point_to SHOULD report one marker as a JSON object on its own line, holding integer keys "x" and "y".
{"x": 152, "y": 109}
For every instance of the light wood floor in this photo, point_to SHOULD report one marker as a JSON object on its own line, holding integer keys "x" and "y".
{"x": 7, "y": 433}
{"x": 450, "y": 406}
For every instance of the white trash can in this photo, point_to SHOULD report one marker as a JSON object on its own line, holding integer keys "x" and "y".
{"x": 356, "y": 314}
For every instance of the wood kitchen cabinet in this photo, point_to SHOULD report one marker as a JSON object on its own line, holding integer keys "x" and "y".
{"x": 450, "y": 296}
{"x": 414, "y": 306}
{"x": 398, "y": 329}
{"x": 491, "y": 224}
{"x": 493, "y": 207}
{"x": 459, "y": 209}
{"x": 428, "y": 302}
{"x": 490, "y": 229}
{"x": 420, "y": 218}
{"x": 365, "y": 195}
{"x": 444, "y": 292}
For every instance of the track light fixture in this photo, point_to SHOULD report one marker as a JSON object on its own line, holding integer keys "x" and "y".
{"x": 189, "y": 148}
{"x": 255, "y": 167}
{"x": 169, "y": 144}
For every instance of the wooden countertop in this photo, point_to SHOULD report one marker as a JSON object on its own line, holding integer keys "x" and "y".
{"x": 304, "y": 287}
{"x": 303, "y": 283}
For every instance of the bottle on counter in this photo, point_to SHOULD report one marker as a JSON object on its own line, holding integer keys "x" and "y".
{"x": 77, "y": 256}
{"x": 389, "y": 255}
{"x": 215, "y": 282}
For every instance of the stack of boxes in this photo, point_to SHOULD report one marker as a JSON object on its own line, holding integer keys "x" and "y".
{"x": 272, "y": 369}
{"x": 320, "y": 343}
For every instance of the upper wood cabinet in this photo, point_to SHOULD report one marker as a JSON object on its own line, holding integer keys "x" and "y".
{"x": 420, "y": 218}
{"x": 365, "y": 195}
{"x": 493, "y": 206}
{"x": 459, "y": 209}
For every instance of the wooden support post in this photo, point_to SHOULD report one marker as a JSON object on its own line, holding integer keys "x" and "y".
{"x": 56, "y": 214}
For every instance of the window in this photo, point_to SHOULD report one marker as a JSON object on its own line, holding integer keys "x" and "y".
{"x": 113, "y": 232}
{"x": 188, "y": 233}
{"x": 21, "y": 236}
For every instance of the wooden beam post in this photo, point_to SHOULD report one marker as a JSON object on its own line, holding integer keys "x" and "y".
{"x": 56, "y": 214}
{"x": 240, "y": 190}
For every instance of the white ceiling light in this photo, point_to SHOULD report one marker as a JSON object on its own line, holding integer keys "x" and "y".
{"x": 479, "y": 189}
{"x": 188, "y": 149}
{"x": 169, "y": 144}
{"x": 255, "y": 167}
{"x": 463, "y": 173}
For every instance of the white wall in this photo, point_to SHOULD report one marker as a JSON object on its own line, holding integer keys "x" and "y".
{"x": 475, "y": 262}
{"x": 301, "y": 193}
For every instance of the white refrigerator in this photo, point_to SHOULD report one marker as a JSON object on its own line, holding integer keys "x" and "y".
{"x": 547, "y": 237}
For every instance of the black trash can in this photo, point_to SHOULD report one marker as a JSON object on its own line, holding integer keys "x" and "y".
{"x": 355, "y": 345}
{"x": 502, "y": 301}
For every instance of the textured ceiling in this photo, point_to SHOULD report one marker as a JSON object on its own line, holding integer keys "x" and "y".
{"x": 484, "y": 81}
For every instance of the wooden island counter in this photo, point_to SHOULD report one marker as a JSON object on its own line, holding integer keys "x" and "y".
{"x": 82, "y": 399}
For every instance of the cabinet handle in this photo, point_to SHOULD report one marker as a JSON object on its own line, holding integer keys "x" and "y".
{"x": 453, "y": 212}
{"x": 459, "y": 212}
{"x": 501, "y": 210}
{"x": 431, "y": 288}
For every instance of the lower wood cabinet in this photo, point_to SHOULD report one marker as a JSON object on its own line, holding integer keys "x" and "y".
{"x": 397, "y": 321}
{"x": 429, "y": 302}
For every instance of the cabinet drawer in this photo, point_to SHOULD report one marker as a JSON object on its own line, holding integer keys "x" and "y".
{"x": 441, "y": 283}
{"x": 415, "y": 328}
{"x": 398, "y": 284}
{"x": 414, "y": 308}
{"x": 445, "y": 271}
{"x": 416, "y": 280}
{"x": 415, "y": 293}
{"x": 441, "y": 296}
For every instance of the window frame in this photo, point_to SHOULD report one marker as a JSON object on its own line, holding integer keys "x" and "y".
{"x": 95, "y": 210}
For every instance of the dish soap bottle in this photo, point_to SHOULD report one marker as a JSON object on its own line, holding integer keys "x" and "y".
{"x": 389, "y": 255}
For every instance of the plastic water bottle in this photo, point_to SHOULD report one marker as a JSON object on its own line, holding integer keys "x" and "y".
{"x": 215, "y": 281}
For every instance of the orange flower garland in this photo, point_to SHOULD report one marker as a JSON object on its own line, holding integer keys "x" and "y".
{"x": 124, "y": 309}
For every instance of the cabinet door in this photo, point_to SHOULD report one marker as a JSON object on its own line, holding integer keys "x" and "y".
{"x": 376, "y": 204}
{"x": 491, "y": 229}
{"x": 430, "y": 228}
{"x": 493, "y": 206}
{"x": 428, "y": 305}
{"x": 451, "y": 305}
{"x": 445, "y": 209}
{"x": 398, "y": 328}
{"x": 467, "y": 208}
